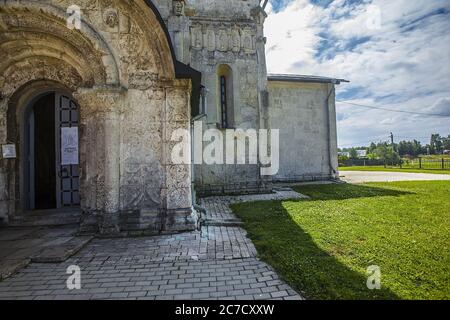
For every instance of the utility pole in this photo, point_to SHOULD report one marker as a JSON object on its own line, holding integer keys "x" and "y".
{"x": 392, "y": 142}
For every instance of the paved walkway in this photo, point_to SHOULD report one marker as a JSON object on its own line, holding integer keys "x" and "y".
{"x": 218, "y": 208}
{"x": 218, "y": 262}
{"x": 380, "y": 176}
{"x": 20, "y": 246}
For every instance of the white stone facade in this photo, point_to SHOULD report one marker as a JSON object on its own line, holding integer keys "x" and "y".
{"x": 306, "y": 113}
{"x": 133, "y": 68}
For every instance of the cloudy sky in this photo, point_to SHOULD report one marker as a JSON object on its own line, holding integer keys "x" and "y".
{"x": 396, "y": 53}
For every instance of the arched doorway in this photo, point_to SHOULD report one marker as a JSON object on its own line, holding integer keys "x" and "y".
{"x": 132, "y": 93}
{"x": 51, "y": 152}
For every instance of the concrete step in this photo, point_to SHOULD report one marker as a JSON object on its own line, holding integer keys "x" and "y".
{"x": 46, "y": 219}
{"x": 9, "y": 267}
{"x": 60, "y": 253}
{"x": 222, "y": 223}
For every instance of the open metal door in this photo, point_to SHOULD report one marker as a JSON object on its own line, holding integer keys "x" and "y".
{"x": 30, "y": 173}
{"x": 67, "y": 152}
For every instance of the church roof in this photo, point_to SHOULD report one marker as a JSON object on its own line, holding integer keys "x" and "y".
{"x": 303, "y": 78}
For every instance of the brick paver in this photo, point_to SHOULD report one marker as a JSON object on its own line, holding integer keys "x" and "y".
{"x": 209, "y": 279}
{"x": 214, "y": 263}
{"x": 218, "y": 207}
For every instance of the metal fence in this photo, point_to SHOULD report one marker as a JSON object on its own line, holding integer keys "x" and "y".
{"x": 424, "y": 163}
{"x": 418, "y": 163}
{"x": 365, "y": 162}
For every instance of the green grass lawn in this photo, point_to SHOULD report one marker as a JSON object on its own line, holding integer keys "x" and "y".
{"x": 323, "y": 246}
{"x": 382, "y": 168}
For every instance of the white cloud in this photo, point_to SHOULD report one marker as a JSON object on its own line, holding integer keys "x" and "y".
{"x": 404, "y": 64}
{"x": 441, "y": 106}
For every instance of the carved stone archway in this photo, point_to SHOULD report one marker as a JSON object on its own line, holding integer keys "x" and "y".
{"x": 120, "y": 68}
{"x": 39, "y": 54}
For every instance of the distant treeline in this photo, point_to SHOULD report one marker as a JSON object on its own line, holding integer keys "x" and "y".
{"x": 404, "y": 148}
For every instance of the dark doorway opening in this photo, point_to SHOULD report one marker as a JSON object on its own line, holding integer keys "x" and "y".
{"x": 44, "y": 147}
{"x": 51, "y": 153}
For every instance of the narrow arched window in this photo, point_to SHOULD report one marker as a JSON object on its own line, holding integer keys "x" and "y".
{"x": 223, "y": 101}
{"x": 225, "y": 96}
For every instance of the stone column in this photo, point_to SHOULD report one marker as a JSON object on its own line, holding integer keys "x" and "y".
{"x": 179, "y": 214}
{"x": 111, "y": 124}
{"x": 259, "y": 16}
{"x": 100, "y": 110}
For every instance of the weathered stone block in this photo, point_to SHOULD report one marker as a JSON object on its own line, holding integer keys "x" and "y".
{"x": 180, "y": 220}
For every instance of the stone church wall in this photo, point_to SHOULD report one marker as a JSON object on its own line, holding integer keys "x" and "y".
{"x": 308, "y": 146}
{"x": 119, "y": 67}
{"x": 210, "y": 35}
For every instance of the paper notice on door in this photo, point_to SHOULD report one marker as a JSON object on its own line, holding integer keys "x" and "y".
{"x": 69, "y": 146}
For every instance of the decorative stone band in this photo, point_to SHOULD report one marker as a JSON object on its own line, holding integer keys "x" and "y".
{"x": 103, "y": 100}
{"x": 223, "y": 37}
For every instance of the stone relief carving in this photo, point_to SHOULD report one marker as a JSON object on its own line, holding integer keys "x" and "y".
{"x": 43, "y": 27}
{"x": 178, "y": 7}
{"x": 210, "y": 39}
{"x": 178, "y": 198}
{"x": 94, "y": 101}
{"x": 142, "y": 80}
{"x": 140, "y": 184}
{"x": 222, "y": 40}
{"x": 178, "y": 176}
{"x": 134, "y": 57}
{"x": 235, "y": 40}
{"x": 176, "y": 106}
{"x": 111, "y": 18}
{"x": 223, "y": 37}
{"x": 247, "y": 41}
{"x": 84, "y": 4}
{"x": 197, "y": 38}
{"x": 51, "y": 70}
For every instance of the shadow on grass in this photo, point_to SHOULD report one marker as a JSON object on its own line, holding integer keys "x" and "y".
{"x": 347, "y": 191}
{"x": 294, "y": 254}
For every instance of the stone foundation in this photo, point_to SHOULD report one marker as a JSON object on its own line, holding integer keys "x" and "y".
{"x": 237, "y": 188}
{"x": 140, "y": 222}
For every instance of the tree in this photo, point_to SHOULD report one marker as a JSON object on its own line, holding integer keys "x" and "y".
{"x": 404, "y": 148}
{"x": 446, "y": 143}
{"x": 387, "y": 154}
{"x": 371, "y": 156}
{"x": 372, "y": 147}
{"x": 417, "y": 148}
{"x": 436, "y": 144}
{"x": 353, "y": 154}
{"x": 412, "y": 148}
{"x": 342, "y": 160}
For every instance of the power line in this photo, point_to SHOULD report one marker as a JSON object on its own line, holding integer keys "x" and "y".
{"x": 380, "y": 139}
{"x": 370, "y": 140}
{"x": 416, "y": 138}
{"x": 393, "y": 110}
